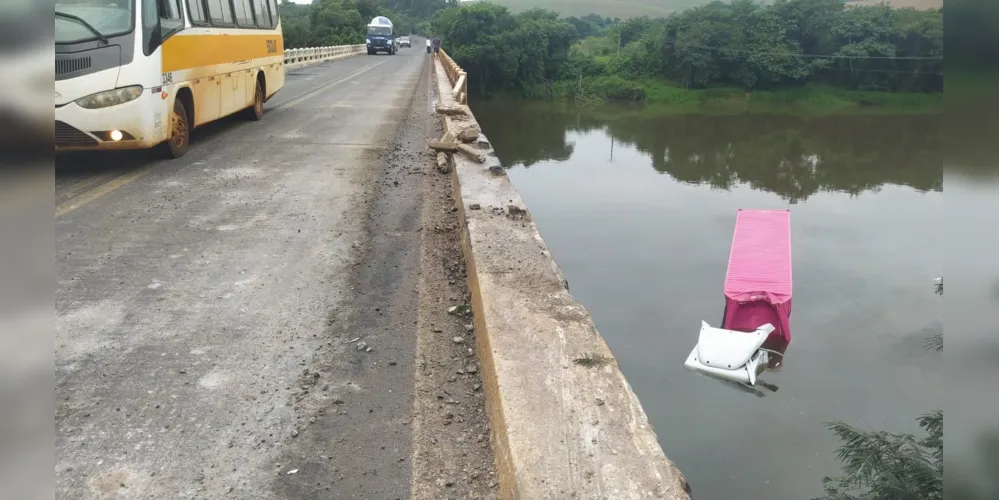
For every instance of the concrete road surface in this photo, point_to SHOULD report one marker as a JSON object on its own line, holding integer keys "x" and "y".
{"x": 239, "y": 323}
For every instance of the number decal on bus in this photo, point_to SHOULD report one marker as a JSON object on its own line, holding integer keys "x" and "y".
{"x": 272, "y": 46}
{"x": 167, "y": 78}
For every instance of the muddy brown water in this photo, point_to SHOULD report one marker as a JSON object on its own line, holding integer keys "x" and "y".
{"x": 639, "y": 212}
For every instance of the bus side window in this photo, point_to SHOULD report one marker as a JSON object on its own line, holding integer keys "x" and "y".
{"x": 220, "y": 12}
{"x": 171, "y": 17}
{"x": 275, "y": 12}
{"x": 196, "y": 10}
{"x": 244, "y": 15}
{"x": 260, "y": 11}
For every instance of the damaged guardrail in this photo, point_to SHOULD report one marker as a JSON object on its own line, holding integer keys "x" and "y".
{"x": 456, "y": 76}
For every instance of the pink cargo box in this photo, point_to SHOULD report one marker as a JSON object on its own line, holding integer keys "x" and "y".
{"x": 758, "y": 281}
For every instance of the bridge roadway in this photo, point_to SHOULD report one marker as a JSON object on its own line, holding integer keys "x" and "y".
{"x": 210, "y": 309}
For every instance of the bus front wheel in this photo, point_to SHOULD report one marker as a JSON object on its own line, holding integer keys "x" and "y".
{"x": 180, "y": 130}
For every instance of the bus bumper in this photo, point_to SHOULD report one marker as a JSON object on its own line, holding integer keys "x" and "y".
{"x": 142, "y": 124}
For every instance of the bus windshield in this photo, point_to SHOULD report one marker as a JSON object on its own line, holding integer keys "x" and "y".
{"x": 80, "y": 19}
{"x": 379, "y": 30}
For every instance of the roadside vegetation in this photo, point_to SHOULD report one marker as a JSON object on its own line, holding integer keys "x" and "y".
{"x": 818, "y": 53}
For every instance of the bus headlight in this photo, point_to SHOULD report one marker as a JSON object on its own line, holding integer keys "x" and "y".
{"x": 368, "y": 41}
{"x": 110, "y": 97}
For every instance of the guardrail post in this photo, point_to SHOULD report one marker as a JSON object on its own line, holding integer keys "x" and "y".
{"x": 464, "y": 88}
{"x": 458, "y": 87}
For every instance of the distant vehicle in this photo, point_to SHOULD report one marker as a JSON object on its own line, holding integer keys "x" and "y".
{"x": 133, "y": 75}
{"x": 404, "y": 41}
{"x": 380, "y": 36}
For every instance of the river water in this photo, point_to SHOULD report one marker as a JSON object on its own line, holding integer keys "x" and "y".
{"x": 639, "y": 211}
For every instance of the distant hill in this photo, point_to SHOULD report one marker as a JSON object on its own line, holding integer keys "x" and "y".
{"x": 607, "y": 8}
{"x": 901, "y": 4}
{"x": 660, "y": 8}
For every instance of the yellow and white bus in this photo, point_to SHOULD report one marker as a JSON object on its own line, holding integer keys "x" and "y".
{"x": 134, "y": 74}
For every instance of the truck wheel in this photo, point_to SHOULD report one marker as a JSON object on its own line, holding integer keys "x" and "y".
{"x": 180, "y": 131}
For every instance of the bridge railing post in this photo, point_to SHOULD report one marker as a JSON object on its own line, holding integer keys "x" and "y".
{"x": 456, "y": 76}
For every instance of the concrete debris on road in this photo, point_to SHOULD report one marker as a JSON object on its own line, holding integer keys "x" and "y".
{"x": 468, "y": 133}
{"x": 451, "y": 110}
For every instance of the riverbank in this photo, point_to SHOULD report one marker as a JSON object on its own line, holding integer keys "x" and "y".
{"x": 665, "y": 98}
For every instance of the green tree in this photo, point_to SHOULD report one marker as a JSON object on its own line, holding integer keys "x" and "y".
{"x": 769, "y": 56}
{"x": 583, "y": 27}
{"x": 502, "y": 51}
{"x": 295, "y": 24}
{"x": 336, "y": 22}
{"x": 783, "y": 45}
{"x": 633, "y": 29}
{"x": 483, "y": 38}
{"x": 879, "y": 465}
{"x": 550, "y": 38}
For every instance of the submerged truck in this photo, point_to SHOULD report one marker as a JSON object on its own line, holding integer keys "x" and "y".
{"x": 380, "y": 36}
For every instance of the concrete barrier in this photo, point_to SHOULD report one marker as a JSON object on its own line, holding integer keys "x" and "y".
{"x": 297, "y": 58}
{"x": 565, "y": 422}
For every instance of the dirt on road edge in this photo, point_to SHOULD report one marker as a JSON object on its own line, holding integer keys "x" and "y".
{"x": 452, "y": 455}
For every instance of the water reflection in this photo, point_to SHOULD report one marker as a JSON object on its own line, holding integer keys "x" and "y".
{"x": 793, "y": 157}
{"x": 639, "y": 211}
{"x": 526, "y": 138}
